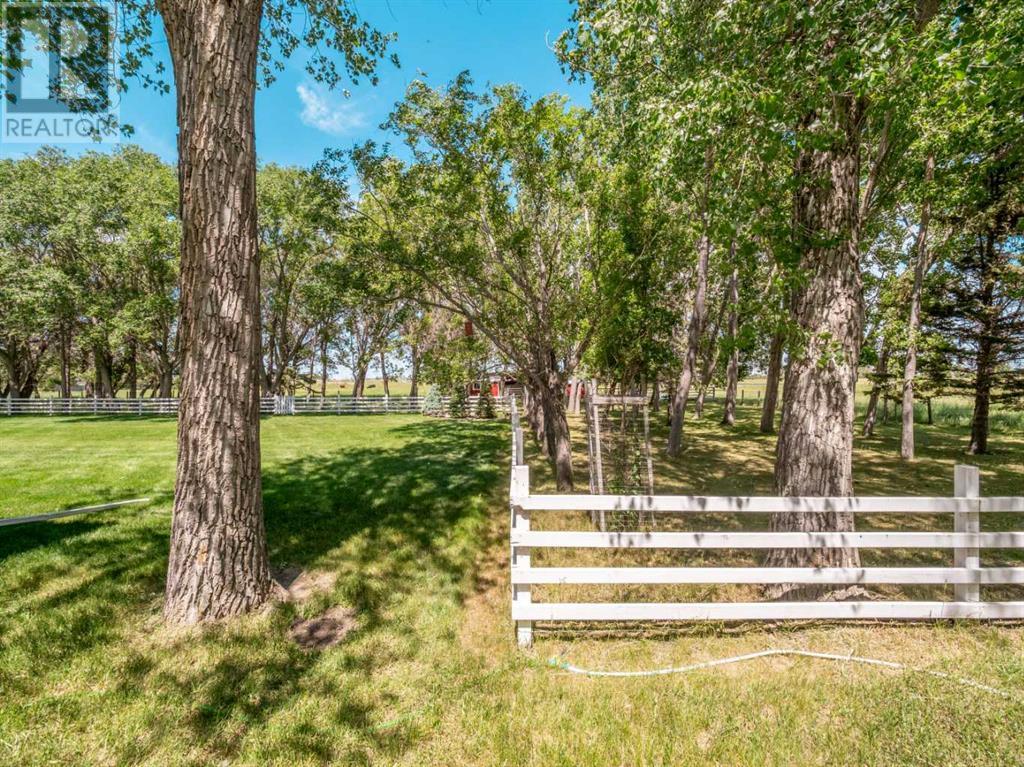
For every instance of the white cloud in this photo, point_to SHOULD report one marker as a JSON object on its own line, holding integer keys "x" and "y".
{"x": 326, "y": 113}
{"x": 153, "y": 142}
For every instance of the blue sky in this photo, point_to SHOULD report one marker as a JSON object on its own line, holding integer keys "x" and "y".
{"x": 498, "y": 41}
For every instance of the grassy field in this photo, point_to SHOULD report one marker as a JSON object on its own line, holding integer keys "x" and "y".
{"x": 410, "y": 513}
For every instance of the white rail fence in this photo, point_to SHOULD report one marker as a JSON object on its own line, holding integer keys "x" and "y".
{"x": 275, "y": 405}
{"x": 966, "y": 574}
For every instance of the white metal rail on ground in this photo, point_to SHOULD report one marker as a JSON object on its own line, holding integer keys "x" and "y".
{"x": 71, "y": 512}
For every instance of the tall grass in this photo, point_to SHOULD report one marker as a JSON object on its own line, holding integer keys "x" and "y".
{"x": 959, "y": 414}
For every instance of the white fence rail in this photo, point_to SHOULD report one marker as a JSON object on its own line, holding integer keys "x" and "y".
{"x": 275, "y": 405}
{"x": 98, "y": 406}
{"x": 966, "y": 542}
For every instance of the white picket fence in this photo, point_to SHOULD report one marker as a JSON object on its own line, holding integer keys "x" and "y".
{"x": 966, "y": 542}
{"x": 274, "y": 405}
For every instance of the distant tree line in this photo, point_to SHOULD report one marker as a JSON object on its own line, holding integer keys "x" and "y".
{"x": 89, "y": 286}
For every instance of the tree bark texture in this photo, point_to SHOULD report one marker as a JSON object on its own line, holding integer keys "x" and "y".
{"x": 535, "y": 417}
{"x": 556, "y": 429}
{"x": 771, "y": 383}
{"x": 414, "y": 385}
{"x": 103, "y": 375}
{"x": 384, "y": 374}
{"x": 732, "y": 372}
{"x": 985, "y": 361}
{"x": 359, "y": 380}
{"x": 218, "y": 557}
{"x": 65, "y": 363}
{"x": 881, "y": 374}
{"x": 323, "y": 364}
{"x": 696, "y": 328}
{"x": 166, "y": 382}
{"x": 815, "y": 448}
{"x": 709, "y": 360}
{"x": 133, "y": 370}
{"x": 922, "y": 261}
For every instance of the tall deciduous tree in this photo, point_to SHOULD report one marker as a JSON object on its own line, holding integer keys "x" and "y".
{"x": 503, "y": 215}
{"x": 299, "y": 229}
{"x": 824, "y": 89}
{"x": 218, "y": 561}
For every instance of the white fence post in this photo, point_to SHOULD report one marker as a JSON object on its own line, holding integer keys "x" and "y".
{"x": 517, "y": 434}
{"x": 520, "y": 490}
{"x": 967, "y": 484}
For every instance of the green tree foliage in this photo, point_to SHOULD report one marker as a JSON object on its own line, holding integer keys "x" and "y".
{"x": 504, "y": 214}
{"x": 433, "y": 403}
{"x": 485, "y": 404}
{"x": 90, "y": 249}
{"x": 458, "y": 401}
{"x": 299, "y": 230}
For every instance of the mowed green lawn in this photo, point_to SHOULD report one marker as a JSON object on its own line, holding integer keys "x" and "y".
{"x": 411, "y": 514}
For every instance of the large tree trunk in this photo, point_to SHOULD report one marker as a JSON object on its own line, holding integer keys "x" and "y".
{"x": 102, "y": 373}
{"x": 556, "y": 431}
{"x": 682, "y": 393}
{"x": 13, "y": 373}
{"x": 881, "y": 376}
{"x": 706, "y": 374}
{"x": 922, "y": 261}
{"x": 414, "y": 384}
{"x": 22, "y": 365}
{"x": 732, "y": 373}
{"x": 359, "y": 381}
{"x": 535, "y": 417}
{"x": 65, "y": 363}
{"x": 815, "y": 448}
{"x": 133, "y": 369}
{"x": 323, "y": 365}
{"x": 384, "y": 375}
{"x": 985, "y": 362}
{"x": 982, "y": 401}
{"x": 166, "y": 377}
{"x": 218, "y": 559}
{"x": 771, "y": 382}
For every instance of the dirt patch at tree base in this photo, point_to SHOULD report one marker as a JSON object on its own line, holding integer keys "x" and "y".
{"x": 293, "y": 584}
{"x": 325, "y": 630}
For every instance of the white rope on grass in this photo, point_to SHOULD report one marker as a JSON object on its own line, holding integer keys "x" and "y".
{"x": 565, "y": 666}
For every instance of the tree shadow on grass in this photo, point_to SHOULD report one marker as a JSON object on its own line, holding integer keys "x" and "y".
{"x": 400, "y": 524}
{"x": 408, "y": 505}
{"x": 400, "y": 521}
{"x": 18, "y": 539}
